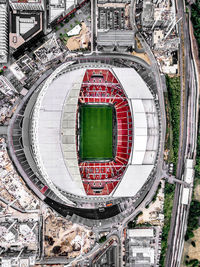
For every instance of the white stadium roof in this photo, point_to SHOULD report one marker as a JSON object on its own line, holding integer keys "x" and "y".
{"x": 50, "y": 108}
{"x": 133, "y": 180}
{"x": 54, "y": 120}
{"x": 132, "y": 83}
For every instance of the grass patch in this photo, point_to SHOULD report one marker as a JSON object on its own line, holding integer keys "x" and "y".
{"x": 64, "y": 37}
{"x": 96, "y": 132}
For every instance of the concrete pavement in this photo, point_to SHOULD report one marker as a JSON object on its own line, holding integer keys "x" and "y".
{"x": 3, "y": 130}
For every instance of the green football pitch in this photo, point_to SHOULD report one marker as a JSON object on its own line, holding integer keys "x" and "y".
{"x": 96, "y": 132}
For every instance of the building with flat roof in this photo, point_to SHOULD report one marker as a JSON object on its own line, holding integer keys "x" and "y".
{"x": 115, "y": 39}
{"x": 185, "y": 196}
{"x": 6, "y": 87}
{"x": 56, "y": 9}
{"x": 50, "y": 51}
{"x": 59, "y": 7}
{"x": 24, "y": 26}
{"x": 27, "y": 5}
{"x": 140, "y": 247}
{"x": 3, "y": 33}
{"x": 15, "y": 231}
{"x": 114, "y": 30}
{"x": 144, "y": 232}
{"x": 23, "y": 68}
{"x": 148, "y": 14}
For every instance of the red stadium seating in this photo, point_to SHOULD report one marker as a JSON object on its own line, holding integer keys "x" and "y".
{"x": 101, "y": 86}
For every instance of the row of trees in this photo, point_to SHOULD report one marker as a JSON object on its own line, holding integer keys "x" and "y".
{"x": 168, "y": 205}
{"x": 194, "y": 213}
{"x": 192, "y": 263}
{"x": 195, "y": 17}
{"x": 193, "y": 219}
{"x": 174, "y": 88}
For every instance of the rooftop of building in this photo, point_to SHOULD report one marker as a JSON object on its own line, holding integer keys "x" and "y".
{"x": 26, "y": 1}
{"x": 24, "y": 26}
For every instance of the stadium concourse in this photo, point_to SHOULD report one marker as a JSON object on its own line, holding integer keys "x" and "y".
{"x": 87, "y": 134}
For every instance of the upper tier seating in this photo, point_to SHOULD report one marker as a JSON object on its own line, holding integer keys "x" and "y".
{"x": 100, "y": 86}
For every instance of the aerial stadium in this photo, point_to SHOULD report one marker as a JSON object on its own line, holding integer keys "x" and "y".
{"x": 88, "y": 132}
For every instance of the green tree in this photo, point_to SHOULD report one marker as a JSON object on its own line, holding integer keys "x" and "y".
{"x": 102, "y": 239}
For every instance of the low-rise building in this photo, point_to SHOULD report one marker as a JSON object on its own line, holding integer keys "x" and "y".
{"x": 27, "y": 5}
{"x": 3, "y": 33}
{"x": 24, "y": 68}
{"x": 141, "y": 251}
{"x": 147, "y": 14}
{"x": 24, "y": 26}
{"x": 119, "y": 40}
{"x": 56, "y": 9}
{"x": 49, "y": 51}
{"x": 6, "y": 87}
{"x": 114, "y": 28}
{"x": 60, "y": 9}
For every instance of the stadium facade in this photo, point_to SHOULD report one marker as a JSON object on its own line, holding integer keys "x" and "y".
{"x": 76, "y": 163}
{"x": 54, "y": 132}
